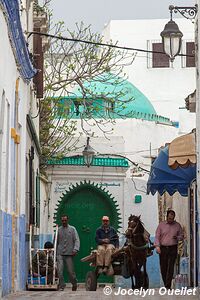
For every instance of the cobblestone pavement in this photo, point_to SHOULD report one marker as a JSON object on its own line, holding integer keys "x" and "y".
{"x": 156, "y": 294}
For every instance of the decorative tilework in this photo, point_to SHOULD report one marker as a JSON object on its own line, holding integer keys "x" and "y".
{"x": 97, "y": 161}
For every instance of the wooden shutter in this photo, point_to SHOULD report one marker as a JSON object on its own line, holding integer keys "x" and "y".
{"x": 38, "y": 63}
{"x": 159, "y": 60}
{"x": 190, "y": 50}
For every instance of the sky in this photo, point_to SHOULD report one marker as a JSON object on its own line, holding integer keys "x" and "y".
{"x": 99, "y": 13}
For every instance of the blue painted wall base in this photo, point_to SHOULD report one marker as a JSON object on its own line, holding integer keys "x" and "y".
{"x": 6, "y": 253}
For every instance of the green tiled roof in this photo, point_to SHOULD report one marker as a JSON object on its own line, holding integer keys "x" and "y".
{"x": 97, "y": 161}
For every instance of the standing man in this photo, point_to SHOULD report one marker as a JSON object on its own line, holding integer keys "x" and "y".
{"x": 107, "y": 240}
{"x": 68, "y": 244}
{"x": 168, "y": 233}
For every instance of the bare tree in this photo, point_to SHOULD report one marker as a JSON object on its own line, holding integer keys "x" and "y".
{"x": 73, "y": 71}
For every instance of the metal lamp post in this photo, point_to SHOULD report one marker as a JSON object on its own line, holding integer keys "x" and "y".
{"x": 88, "y": 153}
{"x": 171, "y": 38}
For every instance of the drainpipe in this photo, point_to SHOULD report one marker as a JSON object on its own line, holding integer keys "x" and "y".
{"x": 17, "y": 206}
{"x": 17, "y": 141}
{"x": 31, "y": 158}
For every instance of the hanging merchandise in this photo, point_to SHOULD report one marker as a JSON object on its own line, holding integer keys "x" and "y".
{"x": 184, "y": 265}
{"x": 185, "y": 280}
{"x": 178, "y": 281}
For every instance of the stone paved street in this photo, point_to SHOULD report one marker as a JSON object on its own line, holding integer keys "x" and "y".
{"x": 99, "y": 294}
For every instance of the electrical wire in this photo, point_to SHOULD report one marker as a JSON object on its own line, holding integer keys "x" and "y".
{"x": 143, "y": 191}
{"x": 122, "y": 156}
{"x": 98, "y": 44}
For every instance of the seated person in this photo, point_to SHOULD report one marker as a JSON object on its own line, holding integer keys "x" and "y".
{"x": 107, "y": 241}
{"x": 42, "y": 257}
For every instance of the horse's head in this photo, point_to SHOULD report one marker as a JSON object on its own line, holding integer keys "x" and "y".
{"x": 135, "y": 226}
{"x": 133, "y": 221}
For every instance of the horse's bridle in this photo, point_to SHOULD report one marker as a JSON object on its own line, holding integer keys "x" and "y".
{"x": 132, "y": 229}
{"x": 130, "y": 243}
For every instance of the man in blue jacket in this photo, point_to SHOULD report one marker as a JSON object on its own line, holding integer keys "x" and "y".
{"x": 107, "y": 241}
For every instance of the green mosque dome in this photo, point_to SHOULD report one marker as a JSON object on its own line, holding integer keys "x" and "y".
{"x": 108, "y": 95}
{"x": 129, "y": 100}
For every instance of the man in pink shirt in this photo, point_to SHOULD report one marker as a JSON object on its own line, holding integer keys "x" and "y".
{"x": 168, "y": 233}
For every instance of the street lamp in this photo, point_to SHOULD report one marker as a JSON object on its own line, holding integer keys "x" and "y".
{"x": 88, "y": 153}
{"x": 171, "y": 38}
{"x": 171, "y": 35}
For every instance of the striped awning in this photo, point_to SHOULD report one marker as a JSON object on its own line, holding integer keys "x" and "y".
{"x": 182, "y": 151}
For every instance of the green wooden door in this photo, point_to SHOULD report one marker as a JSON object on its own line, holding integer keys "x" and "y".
{"x": 85, "y": 204}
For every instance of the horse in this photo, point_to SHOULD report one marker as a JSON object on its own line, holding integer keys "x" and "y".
{"x": 137, "y": 246}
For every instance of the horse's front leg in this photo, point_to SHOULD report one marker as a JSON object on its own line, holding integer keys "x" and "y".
{"x": 132, "y": 283}
{"x": 145, "y": 280}
{"x": 138, "y": 276}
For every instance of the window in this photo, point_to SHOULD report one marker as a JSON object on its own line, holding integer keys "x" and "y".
{"x": 110, "y": 107}
{"x": 38, "y": 63}
{"x": 85, "y": 107}
{"x": 77, "y": 107}
{"x": 81, "y": 106}
{"x": 159, "y": 60}
{"x": 190, "y": 50}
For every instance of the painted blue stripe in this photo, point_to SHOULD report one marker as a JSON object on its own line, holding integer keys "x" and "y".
{"x": 11, "y": 10}
{"x": 21, "y": 257}
{"x": 7, "y": 254}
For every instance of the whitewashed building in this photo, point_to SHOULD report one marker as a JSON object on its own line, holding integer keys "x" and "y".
{"x": 19, "y": 147}
{"x": 113, "y": 185}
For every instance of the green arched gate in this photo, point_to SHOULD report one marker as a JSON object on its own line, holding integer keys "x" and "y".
{"x": 85, "y": 204}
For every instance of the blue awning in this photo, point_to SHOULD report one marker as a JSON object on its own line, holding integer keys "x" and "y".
{"x": 164, "y": 179}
